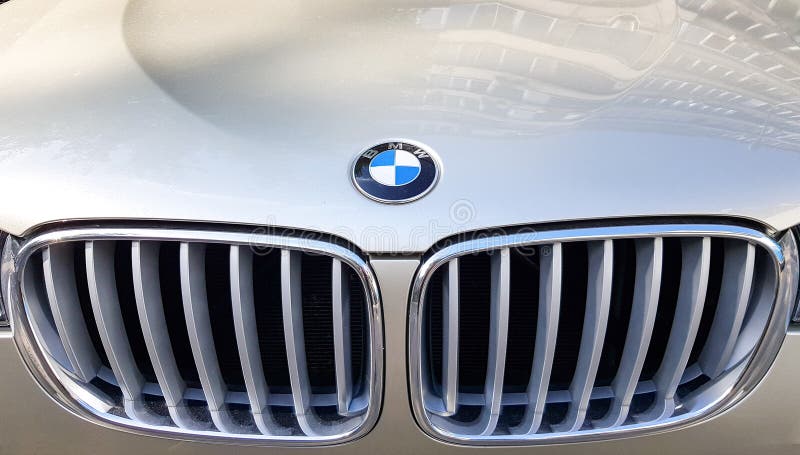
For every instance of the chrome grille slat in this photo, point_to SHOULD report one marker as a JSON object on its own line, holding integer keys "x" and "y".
{"x": 737, "y": 285}
{"x": 59, "y": 277}
{"x": 106, "y": 307}
{"x": 146, "y": 285}
{"x": 688, "y": 311}
{"x": 649, "y": 266}
{"x": 291, "y": 299}
{"x": 486, "y": 421}
{"x": 613, "y": 369}
{"x": 198, "y": 322}
{"x": 244, "y": 321}
{"x": 498, "y": 338}
{"x": 598, "y": 303}
{"x": 295, "y": 343}
{"x": 550, "y": 269}
{"x": 450, "y": 338}
{"x": 341, "y": 337}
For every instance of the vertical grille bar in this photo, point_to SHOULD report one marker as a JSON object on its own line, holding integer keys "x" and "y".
{"x": 59, "y": 278}
{"x": 450, "y": 297}
{"x": 550, "y": 278}
{"x": 688, "y": 311}
{"x": 198, "y": 324}
{"x": 106, "y": 308}
{"x": 737, "y": 284}
{"x": 498, "y": 338}
{"x": 341, "y": 336}
{"x": 598, "y": 302}
{"x": 649, "y": 264}
{"x": 292, "y": 305}
{"x": 244, "y": 321}
{"x": 147, "y": 290}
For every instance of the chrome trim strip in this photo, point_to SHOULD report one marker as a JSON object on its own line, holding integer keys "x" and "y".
{"x": 785, "y": 258}
{"x": 5, "y": 245}
{"x": 341, "y": 337}
{"x": 450, "y": 314}
{"x": 68, "y": 394}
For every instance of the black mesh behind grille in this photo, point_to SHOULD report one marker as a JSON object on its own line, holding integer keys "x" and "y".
{"x": 523, "y": 314}
{"x": 269, "y": 320}
{"x": 218, "y": 289}
{"x": 359, "y": 336}
{"x": 473, "y": 321}
{"x": 318, "y": 322}
{"x": 434, "y": 328}
{"x": 570, "y": 320}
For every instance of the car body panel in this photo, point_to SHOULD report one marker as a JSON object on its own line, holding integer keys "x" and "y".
{"x": 251, "y": 113}
{"x": 157, "y": 111}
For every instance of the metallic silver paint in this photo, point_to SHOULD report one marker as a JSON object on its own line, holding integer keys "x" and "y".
{"x": 177, "y": 115}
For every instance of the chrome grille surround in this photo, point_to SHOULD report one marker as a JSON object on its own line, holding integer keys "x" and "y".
{"x": 434, "y": 409}
{"x": 84, "y": 401}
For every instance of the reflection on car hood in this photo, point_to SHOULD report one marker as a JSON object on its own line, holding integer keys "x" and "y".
{"x": 541, "y": 111}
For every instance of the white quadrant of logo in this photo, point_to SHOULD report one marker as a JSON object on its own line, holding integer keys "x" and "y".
{"x": 394, "y": 168}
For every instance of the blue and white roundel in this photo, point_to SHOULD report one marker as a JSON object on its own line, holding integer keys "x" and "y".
{"x": 396, "y": 172}
{"x": 394, "y": 168}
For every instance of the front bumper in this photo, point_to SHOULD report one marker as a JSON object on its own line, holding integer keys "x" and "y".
{"x": 765, "y": 422}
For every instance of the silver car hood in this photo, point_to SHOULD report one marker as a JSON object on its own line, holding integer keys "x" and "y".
{"x": 252, "y": 112}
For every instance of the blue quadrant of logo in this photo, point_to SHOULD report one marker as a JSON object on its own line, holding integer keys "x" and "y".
{"x": 405, "y": 174}
{"x": 383, "y": 159}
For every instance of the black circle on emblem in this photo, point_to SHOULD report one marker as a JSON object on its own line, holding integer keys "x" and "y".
{"x": 396, "y": 171}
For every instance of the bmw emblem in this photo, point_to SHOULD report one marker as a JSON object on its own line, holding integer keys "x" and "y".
{"x": 395, "y": 172}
